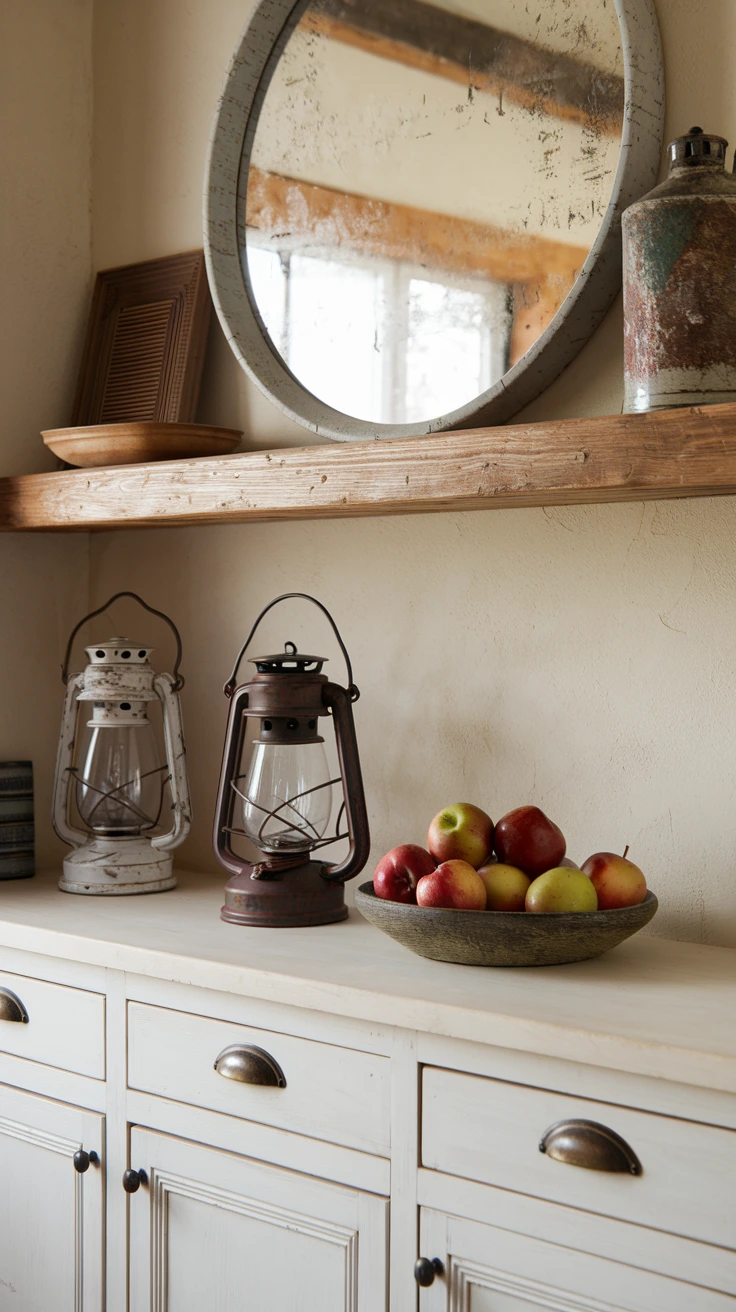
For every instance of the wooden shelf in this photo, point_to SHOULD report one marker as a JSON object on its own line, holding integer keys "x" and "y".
{"x": 671, "y": 453}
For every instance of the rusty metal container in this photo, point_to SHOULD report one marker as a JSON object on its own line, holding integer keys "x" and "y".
{"x": 680, "y": 282}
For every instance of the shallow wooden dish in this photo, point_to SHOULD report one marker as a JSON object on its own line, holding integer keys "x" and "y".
{"x": 503, "y": 938}
{"x": 137, "y": 443}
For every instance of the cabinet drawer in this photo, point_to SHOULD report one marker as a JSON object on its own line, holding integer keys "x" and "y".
{"x": 65, "y": 1027}
{"x": 331, "y": 1093}
{"x": 487, "y": 1130}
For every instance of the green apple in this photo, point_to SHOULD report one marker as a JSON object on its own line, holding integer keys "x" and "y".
{"x": 506, "y": 886}
{"x": 461, "y": 833}
{"x": 561, "y": 889}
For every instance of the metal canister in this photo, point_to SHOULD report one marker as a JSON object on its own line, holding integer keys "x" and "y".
{"x": 680, "y": 282}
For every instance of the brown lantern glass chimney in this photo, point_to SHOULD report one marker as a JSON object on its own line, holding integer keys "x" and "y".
{"x": 275, "y": 789}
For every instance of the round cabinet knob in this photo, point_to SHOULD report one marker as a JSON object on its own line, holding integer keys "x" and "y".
{"x": 132, "y": 1181}
{"x": 83, "y": 1160}
{"x": 425, "y": 1270}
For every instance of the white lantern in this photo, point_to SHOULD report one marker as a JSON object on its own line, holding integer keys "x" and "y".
{"x": 109, "y": 766}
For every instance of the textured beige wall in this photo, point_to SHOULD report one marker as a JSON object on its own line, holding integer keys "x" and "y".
{"x": 45, "y": 181}
{"x": 579, "y": 658}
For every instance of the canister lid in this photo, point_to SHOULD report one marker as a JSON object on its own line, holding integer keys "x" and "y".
{"x": 697, "y": 147}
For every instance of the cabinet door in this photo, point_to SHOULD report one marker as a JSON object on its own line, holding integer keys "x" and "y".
{"x": 210, "y": 1229}
{"x": 492, "y": 1270}
{"x": 50, "y": 1214}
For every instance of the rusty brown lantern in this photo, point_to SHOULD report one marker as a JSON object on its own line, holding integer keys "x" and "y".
{"x": 279, "y": 794}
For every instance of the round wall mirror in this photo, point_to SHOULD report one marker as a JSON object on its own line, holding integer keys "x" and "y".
{"x": 413, "y": 208}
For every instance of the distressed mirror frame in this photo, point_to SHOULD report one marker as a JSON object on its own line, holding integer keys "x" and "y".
{"x": 231, "y": 144}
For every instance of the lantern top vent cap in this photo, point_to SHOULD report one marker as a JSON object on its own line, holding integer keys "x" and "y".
{"x": 697, "y": 147}
{"x": 288, "y": 661}
{"x": 118, "y": 651}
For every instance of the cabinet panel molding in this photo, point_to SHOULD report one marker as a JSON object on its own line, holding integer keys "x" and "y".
{"x": 51, "y": 1239}
{"x": 465, "y": 1277}
{"x": 164, "y": 1185}
{"x": 281, "y": 1235}
{"x": 537, "y": 1274}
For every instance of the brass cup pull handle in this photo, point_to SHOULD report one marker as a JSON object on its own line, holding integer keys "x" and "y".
{"x": 250, "y": 1065}
{"x": 425, "y": 1270}
{"x": 11, "y": 1007}
{"x": 590, "y": 1145}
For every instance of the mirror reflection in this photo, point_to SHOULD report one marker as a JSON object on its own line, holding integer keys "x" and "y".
{"x": 424, "y": 185}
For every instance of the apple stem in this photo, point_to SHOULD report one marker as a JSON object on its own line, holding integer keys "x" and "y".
{"x": 626, "y": 850}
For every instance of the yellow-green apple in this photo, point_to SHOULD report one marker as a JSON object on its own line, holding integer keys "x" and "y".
{"x": 561, "y": 889}
{"x": 453, "y": 884}
{"x": 618, "y": 882}
{"x": 505, "y": 886}
{"x": 461, "y": 833}
{"x": 527, "y": 838}
{"x": 398, "y": 872}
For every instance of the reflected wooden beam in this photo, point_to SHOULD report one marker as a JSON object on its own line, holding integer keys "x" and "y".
{"x": 535, "y": 306}
{"x": 304, "y": 216}
{"x": 437, "y": 41}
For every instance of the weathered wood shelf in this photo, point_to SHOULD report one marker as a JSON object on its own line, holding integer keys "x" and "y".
{"x": 671, "y": 453}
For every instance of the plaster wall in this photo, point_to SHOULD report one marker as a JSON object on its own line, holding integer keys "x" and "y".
{"x": 45, "y": 182}
{"x": 580, "y": 658}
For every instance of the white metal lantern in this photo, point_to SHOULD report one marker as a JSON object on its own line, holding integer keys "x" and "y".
{"x": 109, "y": 765}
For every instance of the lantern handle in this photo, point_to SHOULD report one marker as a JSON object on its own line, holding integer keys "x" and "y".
{"x": 178, "y": 678}
{"x": 353, "y": 692}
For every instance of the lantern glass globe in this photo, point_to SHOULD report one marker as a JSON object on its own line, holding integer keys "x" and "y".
{"x": 284, "y": 807}
{"x": 120, "y": 780}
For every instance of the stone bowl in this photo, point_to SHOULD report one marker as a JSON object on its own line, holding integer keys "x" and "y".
{"x": 504, "y": 938}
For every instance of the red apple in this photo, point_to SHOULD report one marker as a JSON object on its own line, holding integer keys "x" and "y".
{"x": 398, "y": 872}
{"x": 562, "y": 889}
{"x": 618, "y": 882}
{"x": 453, "y": 884}
{"x": 461, "y": 833}
{"x": 505, "y": 887}
{"x": 528, "y": 839}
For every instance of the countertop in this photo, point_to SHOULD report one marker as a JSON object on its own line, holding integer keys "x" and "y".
{"x": 652, "y": 1006}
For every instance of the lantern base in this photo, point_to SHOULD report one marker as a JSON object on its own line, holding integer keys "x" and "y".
{"x": 300, "y": 896}
{"x": 117, "y": 867}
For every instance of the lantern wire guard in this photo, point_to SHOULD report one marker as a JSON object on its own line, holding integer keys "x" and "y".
{"x": 120, "y": 786}
{"x": 288, "y": 693}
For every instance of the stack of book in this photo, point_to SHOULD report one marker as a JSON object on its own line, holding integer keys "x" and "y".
{"x": 16, "y": 820}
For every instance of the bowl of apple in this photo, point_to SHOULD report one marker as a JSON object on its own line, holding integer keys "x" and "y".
{"x": 507, "y": 894}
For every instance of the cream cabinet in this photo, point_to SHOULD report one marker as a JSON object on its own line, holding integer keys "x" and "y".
{"x": 209, "y": 1228}
{"x": 489, "y": 1269}
{"x": 402, "y": 1122}
{"x": 51, "y": 1214}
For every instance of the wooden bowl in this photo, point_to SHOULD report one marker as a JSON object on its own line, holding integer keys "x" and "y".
{"x": 504, "y": 938}
{"x": 137, "y": 443}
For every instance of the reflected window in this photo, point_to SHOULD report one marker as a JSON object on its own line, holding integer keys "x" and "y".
{"x": 383, "y": 339}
